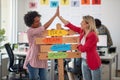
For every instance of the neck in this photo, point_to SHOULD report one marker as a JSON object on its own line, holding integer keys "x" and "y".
{"x": 87, "y": 31}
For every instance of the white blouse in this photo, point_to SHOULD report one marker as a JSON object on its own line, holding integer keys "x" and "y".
{"x": 83, "y": 54}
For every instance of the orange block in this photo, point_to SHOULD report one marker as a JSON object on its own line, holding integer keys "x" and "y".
{"x": 53, "y": 40}
{"x": 85, "y": 1}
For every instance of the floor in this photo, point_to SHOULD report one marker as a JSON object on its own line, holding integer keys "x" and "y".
{"x": 56, "y": 77}
{"x": 118, "y": 76}
{"x": 16, "y": 77}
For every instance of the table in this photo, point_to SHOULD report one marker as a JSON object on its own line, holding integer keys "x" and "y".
{"x": 110, "y": 58}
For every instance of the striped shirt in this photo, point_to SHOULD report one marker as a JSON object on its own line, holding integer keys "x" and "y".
{"x": 34, "y": 49}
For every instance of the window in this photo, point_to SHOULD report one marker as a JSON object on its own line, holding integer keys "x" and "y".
{"x": 8, "y": 19}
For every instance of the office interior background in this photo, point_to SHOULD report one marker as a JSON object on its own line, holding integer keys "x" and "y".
{"x": 12, "y": 12}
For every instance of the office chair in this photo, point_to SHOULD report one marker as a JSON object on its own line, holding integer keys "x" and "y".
{"x": 13, "y": 66}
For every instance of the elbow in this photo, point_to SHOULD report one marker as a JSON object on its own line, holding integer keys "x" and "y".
{"x": 79, "y": 47}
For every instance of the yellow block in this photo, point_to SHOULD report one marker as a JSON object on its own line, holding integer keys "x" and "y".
{"x": 57, "y": 32}
{"x": 44, "y": 2}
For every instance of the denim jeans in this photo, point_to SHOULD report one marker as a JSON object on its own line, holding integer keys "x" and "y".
{"x": 89, "y": 74}
{"x": 37, "y": 73}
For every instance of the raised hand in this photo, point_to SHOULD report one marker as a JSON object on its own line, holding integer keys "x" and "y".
{"x": 47, "y": 24}
{"x": 57, "y": 12}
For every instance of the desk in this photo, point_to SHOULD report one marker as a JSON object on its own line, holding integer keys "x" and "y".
{"x": 110, "y": 58}
{"x": 21, "y": 53}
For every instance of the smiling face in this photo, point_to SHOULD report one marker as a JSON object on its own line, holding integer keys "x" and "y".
{"x": 36, "y": 22}
{"x": 88, "y": 24}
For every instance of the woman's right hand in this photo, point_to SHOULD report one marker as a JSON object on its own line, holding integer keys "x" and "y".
{"x": 60, "y": 17}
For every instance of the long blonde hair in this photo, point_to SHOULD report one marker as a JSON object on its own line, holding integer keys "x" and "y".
{"x": 91, "y": 21}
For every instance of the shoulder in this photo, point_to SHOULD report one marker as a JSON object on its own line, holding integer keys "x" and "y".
{"x": 92, "y": 34}
{"x": 41, "y": 28}
{"x": 103, "y": 27}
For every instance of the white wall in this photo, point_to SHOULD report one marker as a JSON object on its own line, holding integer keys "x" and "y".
{"x": 21, "y": 12}
{"x": 109, "y": 14}
{"x": 110, "y": 17}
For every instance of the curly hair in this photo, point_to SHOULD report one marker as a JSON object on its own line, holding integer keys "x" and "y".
{"x": 29, "y": 17}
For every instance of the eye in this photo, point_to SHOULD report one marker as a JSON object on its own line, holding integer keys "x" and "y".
{"x": 86, "y": 22}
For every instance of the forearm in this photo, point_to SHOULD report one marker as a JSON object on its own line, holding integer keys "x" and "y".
{"x": 47, "y": 24}
{"x": 63, "y": 20}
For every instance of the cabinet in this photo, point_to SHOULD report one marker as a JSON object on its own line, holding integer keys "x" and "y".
{"x": 3, "y": 68}
{"x": 106, "y": 71}
{"x": 109, "y": 67}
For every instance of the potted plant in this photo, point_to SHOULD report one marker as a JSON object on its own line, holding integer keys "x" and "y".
{"x": 2, "y": 37}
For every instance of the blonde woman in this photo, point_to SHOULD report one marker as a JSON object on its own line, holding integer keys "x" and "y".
{"x": 91, "y": 63}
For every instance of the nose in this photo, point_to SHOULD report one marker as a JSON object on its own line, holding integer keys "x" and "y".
{"x": 81, "y": 23}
